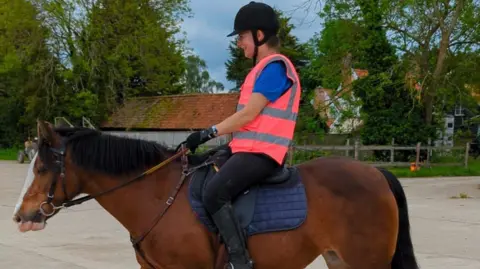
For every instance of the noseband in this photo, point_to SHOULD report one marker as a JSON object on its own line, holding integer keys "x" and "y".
{"x": 59, "y": 155}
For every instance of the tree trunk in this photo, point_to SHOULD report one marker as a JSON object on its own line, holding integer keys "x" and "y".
{"x": 442, "y": 54}
{"x": 436, "y": 77}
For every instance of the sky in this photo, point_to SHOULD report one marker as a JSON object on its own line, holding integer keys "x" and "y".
{"x": 212, "y": 21}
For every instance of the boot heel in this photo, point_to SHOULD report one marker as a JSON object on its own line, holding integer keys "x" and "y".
{"x": 233, "y": 237}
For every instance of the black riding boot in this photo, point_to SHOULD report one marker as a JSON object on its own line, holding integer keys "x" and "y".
{"x": 233, "y": 237}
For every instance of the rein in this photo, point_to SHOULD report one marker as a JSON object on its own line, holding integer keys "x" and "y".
{"x": 60, "y": 154}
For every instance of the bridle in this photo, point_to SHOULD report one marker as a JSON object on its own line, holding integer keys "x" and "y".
{"x": 59, "y": 155}
{"x": 60, "y": 165}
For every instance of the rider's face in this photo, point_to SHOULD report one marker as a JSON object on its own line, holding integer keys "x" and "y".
{"x": 245, "y": 42}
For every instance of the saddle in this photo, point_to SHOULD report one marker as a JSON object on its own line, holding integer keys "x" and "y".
{"x": 278, "y": 203}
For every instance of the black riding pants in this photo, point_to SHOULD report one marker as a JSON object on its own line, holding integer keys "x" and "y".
{"x": 237, "y": 174}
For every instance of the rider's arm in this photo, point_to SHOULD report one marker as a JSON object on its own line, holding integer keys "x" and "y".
{"x": 231, "y": 124}
{"x": 269, "y": 86}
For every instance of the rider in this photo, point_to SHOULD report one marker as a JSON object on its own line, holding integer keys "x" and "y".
{"x": 262, "y": 127}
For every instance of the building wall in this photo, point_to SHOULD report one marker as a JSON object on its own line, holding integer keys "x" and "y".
{"x": 459, "y": 122}
{"x": 462, "y": 116}
{"x": 169, "y": 138}
{"x": 445, "y": 136}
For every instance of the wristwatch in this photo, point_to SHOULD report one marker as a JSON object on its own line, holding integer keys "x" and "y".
{"x": 214, "y": 130}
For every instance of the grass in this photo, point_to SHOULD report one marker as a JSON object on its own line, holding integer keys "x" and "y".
{"x": 439, "y": 171}
{"x": 435, "y": 171}
{"x": 8, "y": 154}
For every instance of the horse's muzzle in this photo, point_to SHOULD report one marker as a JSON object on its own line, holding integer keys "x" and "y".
{"x": 33, "y": 216}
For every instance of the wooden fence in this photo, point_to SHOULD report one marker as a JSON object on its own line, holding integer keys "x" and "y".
{"x": 357, "y": 148}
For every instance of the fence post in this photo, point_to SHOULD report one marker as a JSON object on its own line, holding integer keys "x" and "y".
{"x": 292, "y": 152}
{"x": 417, "y": 160}
{"x": 305, "y": 149}
{"x": 347, "y": 151}
{"x": 467, "y": 149}
{"x": 429, "y": 152}
{"x": 356, "y": 149}
{"x": 392, "y": 151}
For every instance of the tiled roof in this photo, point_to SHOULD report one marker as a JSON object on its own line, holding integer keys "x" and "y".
{"x": 181, "y": 112}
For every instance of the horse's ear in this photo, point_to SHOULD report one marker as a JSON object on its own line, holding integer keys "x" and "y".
{"x": 45, "y": 131}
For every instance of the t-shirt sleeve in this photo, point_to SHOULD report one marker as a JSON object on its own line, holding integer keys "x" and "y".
{"x": 273, "y": 82}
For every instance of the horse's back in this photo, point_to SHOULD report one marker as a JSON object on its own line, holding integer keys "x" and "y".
{"x": 344, "y": 177}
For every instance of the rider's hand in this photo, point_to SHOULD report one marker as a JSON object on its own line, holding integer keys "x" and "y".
{"x": 197, "y": 138}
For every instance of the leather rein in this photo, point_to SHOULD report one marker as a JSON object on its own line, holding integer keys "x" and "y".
{"x": 60, "y": 174}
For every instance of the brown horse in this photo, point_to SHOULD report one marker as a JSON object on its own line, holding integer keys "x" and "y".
{"x": 357, "y": 214}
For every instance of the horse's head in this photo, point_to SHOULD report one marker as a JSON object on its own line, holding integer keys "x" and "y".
{"x": 71, "y": 161}
{"x": 46, "y": 186}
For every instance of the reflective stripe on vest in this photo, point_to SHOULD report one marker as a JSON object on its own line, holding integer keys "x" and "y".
{"x": 273, "y": 139}
{"x": 287, "y": 114}
{"x": 275, "y": 112}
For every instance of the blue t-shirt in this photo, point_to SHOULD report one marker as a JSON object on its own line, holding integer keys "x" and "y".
{"x": 273, "y": 81}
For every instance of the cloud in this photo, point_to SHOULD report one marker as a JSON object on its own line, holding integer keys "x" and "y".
{"x": 213, "y": 20}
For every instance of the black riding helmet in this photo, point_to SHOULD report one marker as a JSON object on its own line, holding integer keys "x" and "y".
{"x": 253, "y": 17}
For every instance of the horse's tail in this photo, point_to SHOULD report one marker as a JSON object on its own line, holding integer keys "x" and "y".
{"x": 404, "y": 257}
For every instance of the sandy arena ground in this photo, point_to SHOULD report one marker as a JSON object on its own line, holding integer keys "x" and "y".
{"x": 446, "y": 232}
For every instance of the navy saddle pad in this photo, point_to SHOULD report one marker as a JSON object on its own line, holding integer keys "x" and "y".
{"x": 277, "y": 204}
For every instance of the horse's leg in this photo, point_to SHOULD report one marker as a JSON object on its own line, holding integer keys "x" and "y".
{"x": 356, "y": 216}
{"x": 387, "y": 244}
{"x": 333, "y": 261}
{"x": 141, "y": 261}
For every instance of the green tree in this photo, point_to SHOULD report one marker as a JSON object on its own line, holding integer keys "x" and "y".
{"x": 383, "y": 100}
{"x": 79, "y": 58}
{"x": 389, "y": 112}
{"x": 427, "y": 32}
{"x": 239, "y": 66}
{"x": 379, "y": 54}
{"x": 197, "y": 79}
{"x": 128, "y": 52}
{"x": 329, "y": 49}
{"x": 112, "y": 50}
{"x": 362, "y": 44}
{"x": 27, "y": 69}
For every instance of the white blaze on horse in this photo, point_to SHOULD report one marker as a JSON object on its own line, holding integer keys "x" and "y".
{"x": 28, "y": 225}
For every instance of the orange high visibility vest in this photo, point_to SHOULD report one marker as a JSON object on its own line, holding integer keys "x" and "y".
{"x": 271, "y": 132}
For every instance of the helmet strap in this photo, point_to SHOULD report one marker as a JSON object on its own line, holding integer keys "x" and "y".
{"x": 255, "y": 41}
{"x": 258, "y": 43}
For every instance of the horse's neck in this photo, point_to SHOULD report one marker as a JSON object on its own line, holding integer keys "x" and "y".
{"x": 136, "y": 204}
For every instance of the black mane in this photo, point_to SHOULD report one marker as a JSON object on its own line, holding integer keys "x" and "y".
{"x": 109, "y": 154}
